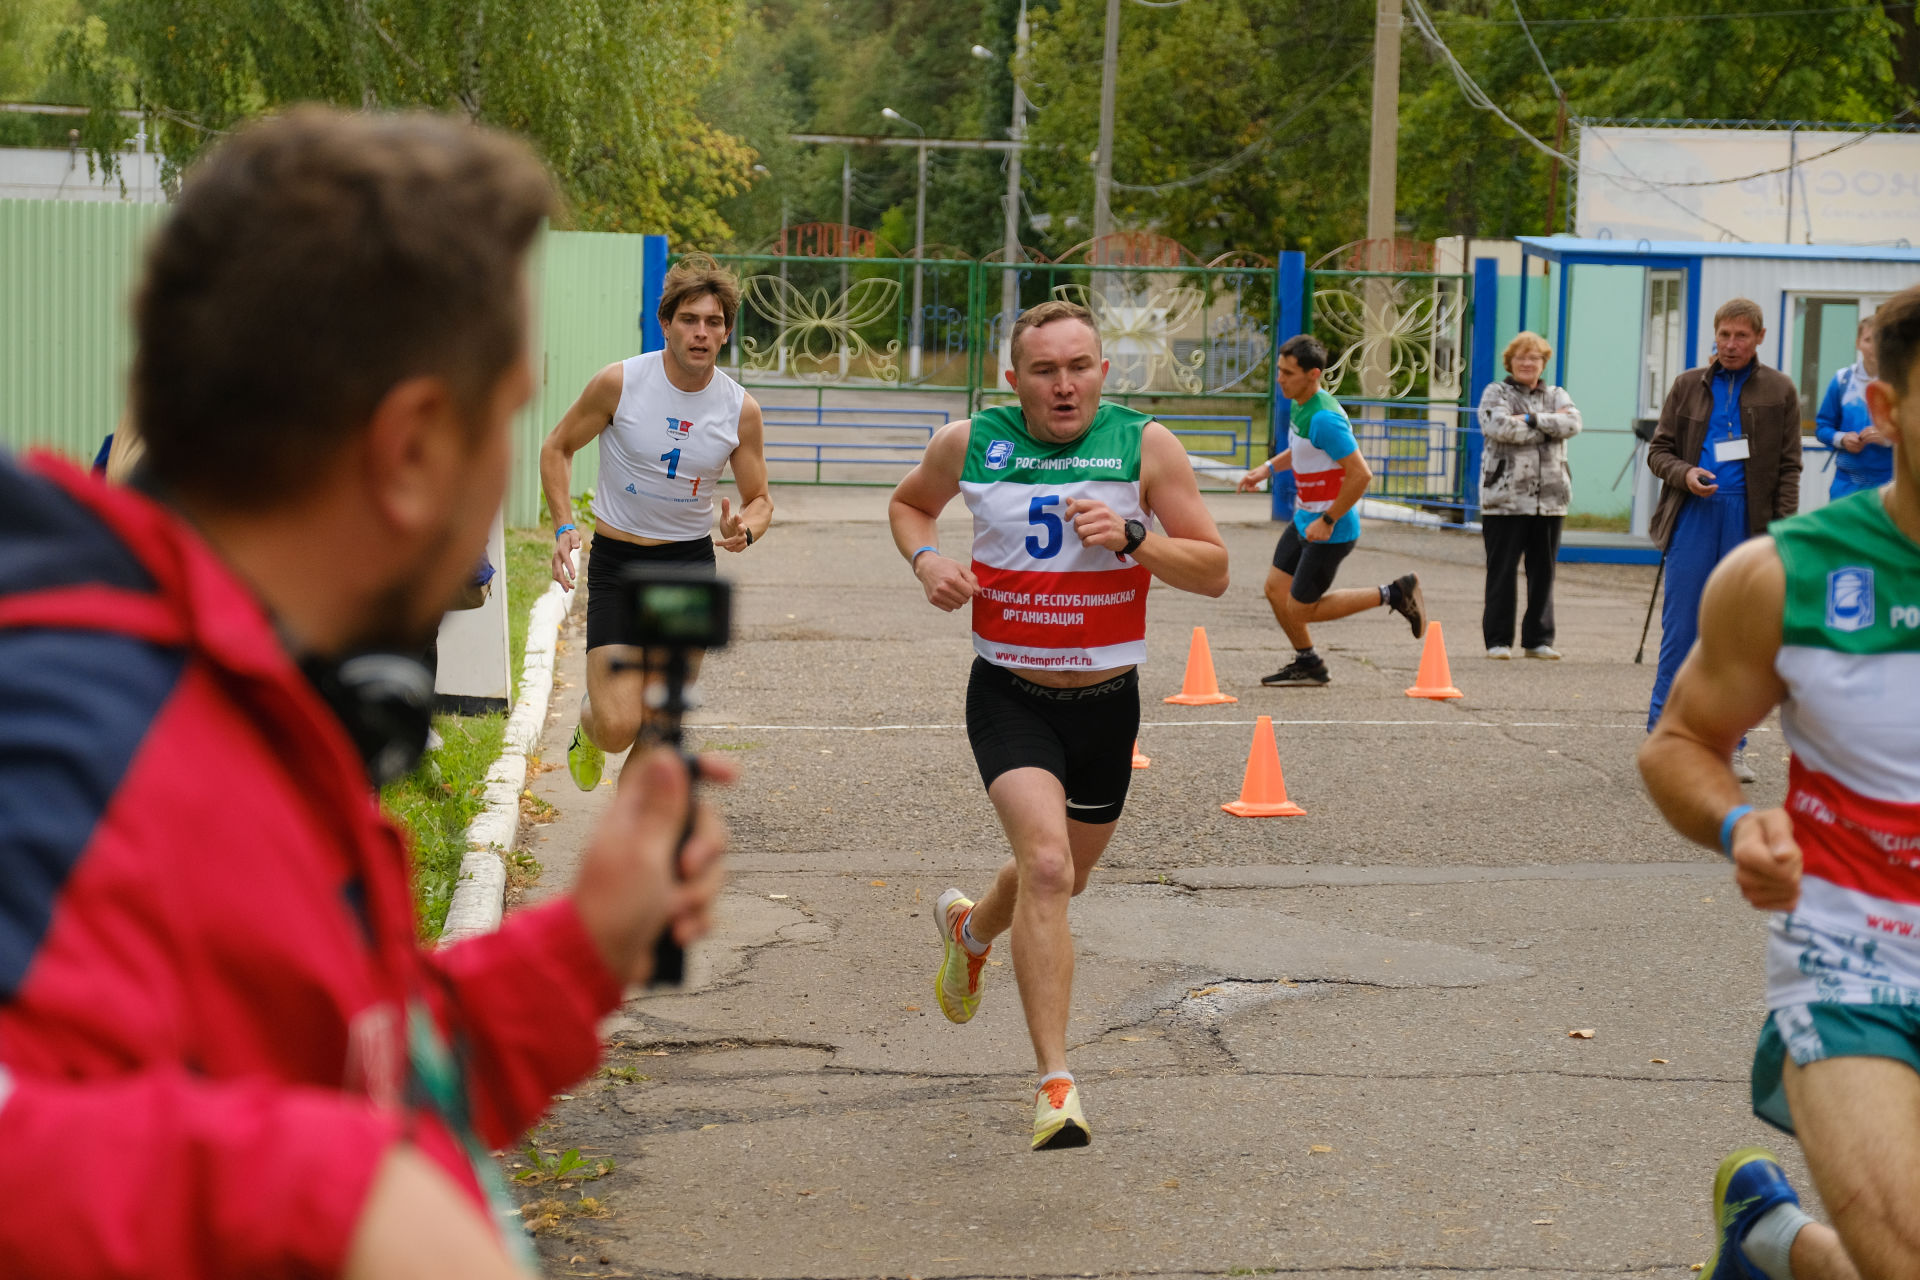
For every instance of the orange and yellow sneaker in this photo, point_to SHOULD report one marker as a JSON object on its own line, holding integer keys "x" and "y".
{"x": 1058, "y": 1121}
{"x": 958, "y": 985}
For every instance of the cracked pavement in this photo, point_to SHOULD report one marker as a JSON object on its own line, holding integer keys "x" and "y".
{"x": 1314, "y": 1045}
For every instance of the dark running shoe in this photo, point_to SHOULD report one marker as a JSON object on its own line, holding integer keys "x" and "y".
{"x": 1406, "y": 599}
{"x": 1297, "y": 673}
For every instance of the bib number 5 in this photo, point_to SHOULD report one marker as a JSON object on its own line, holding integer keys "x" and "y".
{"x": 1049, "y": 524}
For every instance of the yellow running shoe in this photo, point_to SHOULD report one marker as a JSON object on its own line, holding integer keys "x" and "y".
{"x": 585, "y": 761}
{"x": 958, "y": 985}
{"x": 1058, "y": 1121}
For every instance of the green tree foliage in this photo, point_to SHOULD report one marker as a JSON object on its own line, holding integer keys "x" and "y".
{"x": 610, "y": 91}
{"x": 1246, "y": 121}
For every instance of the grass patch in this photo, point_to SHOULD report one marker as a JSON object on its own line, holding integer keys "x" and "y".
{"x": 529, "y": 570}
{"x": 434, "y": 804}
{"x": 1604, "y": 524}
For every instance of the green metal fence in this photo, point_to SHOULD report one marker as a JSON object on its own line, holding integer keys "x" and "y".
{"x": 66, "y": 271}
{"x": 852, "y": 377}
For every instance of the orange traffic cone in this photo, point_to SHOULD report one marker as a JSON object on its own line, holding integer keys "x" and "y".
{"x": 1140, "y": 761}
{"x": 1200, "y": 689}
{"x": 1435, "y": 680}
{"x": 1263, "y": 792}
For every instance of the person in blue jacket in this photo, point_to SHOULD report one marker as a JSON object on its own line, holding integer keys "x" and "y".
{"x": 1863, "y": 456}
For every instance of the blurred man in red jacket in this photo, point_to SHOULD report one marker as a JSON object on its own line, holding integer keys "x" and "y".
{"x": 209, "y": 978}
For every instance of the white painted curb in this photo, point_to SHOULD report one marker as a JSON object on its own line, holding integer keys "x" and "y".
{"x": 480, "y": 895}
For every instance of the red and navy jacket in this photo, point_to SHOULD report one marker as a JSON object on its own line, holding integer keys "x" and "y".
{"x": 207, "y": 940}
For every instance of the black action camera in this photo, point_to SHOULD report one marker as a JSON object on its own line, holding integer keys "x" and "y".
{"x": 678, "y": 611}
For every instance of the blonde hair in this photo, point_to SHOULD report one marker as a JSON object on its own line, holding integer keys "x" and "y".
{"x": 1527, "y": 340}
{"x": 694, "y": 275}
{"x": 1046, "y": 313}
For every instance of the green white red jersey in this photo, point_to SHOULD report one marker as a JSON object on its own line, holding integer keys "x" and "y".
{"x": 1850, "y": 658}
{"x": 1047, "y": 601}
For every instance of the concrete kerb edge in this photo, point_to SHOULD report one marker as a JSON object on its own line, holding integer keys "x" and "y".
{"x": 479, "y": 896}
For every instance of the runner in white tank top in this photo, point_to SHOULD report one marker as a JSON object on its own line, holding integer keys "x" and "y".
{"x": 669, "y": 423}
{"x": 1066, "y": 495}
{"x": 1821, "y": 617}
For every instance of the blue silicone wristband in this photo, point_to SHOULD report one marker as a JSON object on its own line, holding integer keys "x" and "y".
{"x": 565, "y": 528}
{"x": 915, "y": 557}
{"x": 1734, "y": 815}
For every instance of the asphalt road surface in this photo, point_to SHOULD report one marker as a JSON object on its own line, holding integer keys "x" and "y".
{"x": 1331, "y": 1043}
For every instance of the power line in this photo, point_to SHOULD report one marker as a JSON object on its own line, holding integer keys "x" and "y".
{"x": 1541, "y": 58}
{"x": 1477, "y": 97}
{"x": 1251, "y": 149}
{"x": 1682, "y": 17}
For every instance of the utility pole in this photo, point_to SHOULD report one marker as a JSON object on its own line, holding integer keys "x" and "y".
{"x": 1103, "y": 172}
{"x": 919, "y": 251}
{"x": 1553, "y": 184}
{"x": 846, "y": 234}
{"x": 1010, "y": 278}
{"x": 1376, "y": 370}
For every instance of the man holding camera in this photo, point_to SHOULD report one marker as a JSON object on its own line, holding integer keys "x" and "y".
{"x": 209, "y": 973}
{"x": 1062, "y": 487}
{"x": 669, "y": 424}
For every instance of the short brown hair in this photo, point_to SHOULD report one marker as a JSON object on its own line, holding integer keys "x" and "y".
{"x": 694, "y": 275}
{"x": 1896, "y": 337}
{"x": 313, "y": 261}
{"x": 1740, "y": 309}
{"x": 1046, "y": 313}
{"x": 1526, "y": 340}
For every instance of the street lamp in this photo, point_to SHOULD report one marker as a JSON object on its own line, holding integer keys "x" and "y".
{"x": 919, "y": 240}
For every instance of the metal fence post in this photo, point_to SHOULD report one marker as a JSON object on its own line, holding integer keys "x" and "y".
{"x": 653, "y": 277}
{"x": 1290, "y": 317}
{"x": 1486, "y": 336}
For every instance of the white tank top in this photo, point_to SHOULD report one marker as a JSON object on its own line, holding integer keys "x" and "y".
{"x": 662, "y": 455}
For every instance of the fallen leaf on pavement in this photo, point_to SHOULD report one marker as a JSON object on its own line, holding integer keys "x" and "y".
{"x": 1171, "y": 1184}
{"x": 778, "y": 897}
{"x": 705, "y": 1127}
{"x": 1584, "y": 1033}
{"x": 1660, "y": 1061}
{"x": 1204, "y": 991}
{"x": 1131, "y": 1039}
{"x": 878, "y": 884}
{"x": 1543, "y": 1222}
{"x": 1320, "y": 1149}
{"x": 913, "y": 1008}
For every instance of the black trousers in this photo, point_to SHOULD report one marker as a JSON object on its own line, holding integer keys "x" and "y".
{"x": 1510, "y": 540}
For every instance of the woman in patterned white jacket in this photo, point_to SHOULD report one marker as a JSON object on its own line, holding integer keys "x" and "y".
{"x": 1525, "y": 486}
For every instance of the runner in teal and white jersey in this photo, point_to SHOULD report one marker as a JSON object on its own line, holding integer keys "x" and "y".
{"x": 1330, "y": 477}
{"x": 1822, "y": 618}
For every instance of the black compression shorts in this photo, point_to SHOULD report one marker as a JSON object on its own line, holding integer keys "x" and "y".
{"x": 1311, "y": 565}
{"x": 609, "y": 611}
{"x": 1084, "y": 737}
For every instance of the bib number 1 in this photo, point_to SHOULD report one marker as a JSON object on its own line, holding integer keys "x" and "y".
{"x": 672, "y": 459}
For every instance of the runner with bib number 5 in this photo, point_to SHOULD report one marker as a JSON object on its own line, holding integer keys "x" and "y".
{"x": 1063, "y": 490}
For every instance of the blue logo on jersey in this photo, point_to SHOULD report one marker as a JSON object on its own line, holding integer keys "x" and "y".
{"x": 678, "y": 428}
{"x": 998, "y": 452}
{"x": 1850, "y": 599}
{"x": 633, "y": 491}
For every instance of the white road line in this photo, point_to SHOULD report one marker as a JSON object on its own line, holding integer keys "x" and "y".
{"x": 1189, "y": 724}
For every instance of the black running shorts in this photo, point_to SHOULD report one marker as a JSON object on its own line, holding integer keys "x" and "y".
{"x": 1311, "y": 565}
{"x": 1084, "y": 737}
{"x": 609, "y": 611}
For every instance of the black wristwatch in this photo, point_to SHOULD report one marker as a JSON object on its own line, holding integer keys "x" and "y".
{"x": 1136, "y": 534}
{"x": 1326, "y": 518}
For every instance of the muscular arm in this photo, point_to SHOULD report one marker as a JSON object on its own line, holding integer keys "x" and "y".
{"x": 1725, "y": 687}
{"x": 913, "y": 513}
{"x": 749, "y": 463}
{"x": 577, "y": 428}
{"x": 1353, "y": 484}
{"x": 1189, "y": 553}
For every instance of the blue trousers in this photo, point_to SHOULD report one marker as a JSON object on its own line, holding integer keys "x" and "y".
{"x": 1707, "y": 530}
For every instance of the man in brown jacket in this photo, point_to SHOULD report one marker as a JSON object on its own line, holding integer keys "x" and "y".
{"x": 1728, "y": 453}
